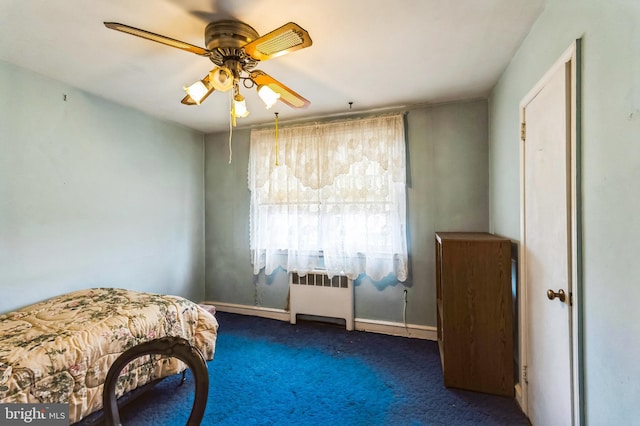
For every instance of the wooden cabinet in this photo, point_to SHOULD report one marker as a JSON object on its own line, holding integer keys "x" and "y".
{"x": 474, "y": 311}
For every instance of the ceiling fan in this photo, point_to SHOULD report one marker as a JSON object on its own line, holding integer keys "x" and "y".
{"x": 236, "y": 48}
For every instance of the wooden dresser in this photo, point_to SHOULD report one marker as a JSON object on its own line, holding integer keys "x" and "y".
{"x": 474, "y": 311}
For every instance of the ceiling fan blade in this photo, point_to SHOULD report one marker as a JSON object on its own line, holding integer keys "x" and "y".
{"x": 288, "y": 38}
{"x": 157, "y": 38}
{"x": 287, "y": 95}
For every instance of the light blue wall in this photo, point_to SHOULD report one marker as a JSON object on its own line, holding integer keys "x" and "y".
{"x": 610, "y": 32}
{"x": 94, "y": 194}
{"x": 448, "y": 190}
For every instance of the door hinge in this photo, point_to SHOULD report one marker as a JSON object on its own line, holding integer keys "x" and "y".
{"x": 523, "y": 131}
{"x": 525, "y": 374}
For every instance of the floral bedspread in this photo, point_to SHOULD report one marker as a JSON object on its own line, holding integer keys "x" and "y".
{"x": 59, "y": 350}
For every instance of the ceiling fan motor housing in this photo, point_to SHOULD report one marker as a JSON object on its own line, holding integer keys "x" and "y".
{"x": 228, "y": 34}
{"x": 225, "y": 40}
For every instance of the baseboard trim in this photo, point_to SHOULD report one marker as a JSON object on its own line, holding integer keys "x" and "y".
{"x": 518, "y": 396}
{"x": 397, "y": 329}
{"x": 361, "y": 324}
{"x": 256, "y": 311}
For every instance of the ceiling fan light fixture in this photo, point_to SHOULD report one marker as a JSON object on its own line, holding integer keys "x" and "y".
{"x": 240, "y": 106}
{"x": 221, "y": 78}
{"x": 268, "y": 96}
{"x": 198, "y": 91}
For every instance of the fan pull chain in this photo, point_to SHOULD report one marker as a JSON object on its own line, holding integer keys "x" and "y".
{"x": 277, "y": 140}
{"x": 231, "y": 124}
{"x": 233, "y": 114}
{"x": 230, "y": 150}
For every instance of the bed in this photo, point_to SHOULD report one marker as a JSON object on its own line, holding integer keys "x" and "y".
{"x": 60, "y": 350}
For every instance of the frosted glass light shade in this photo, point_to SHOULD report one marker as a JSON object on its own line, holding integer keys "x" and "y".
{"x": 240, "y": 106}
{"x": 221, "y": 79}
{"x": 268, "y": 96}
{"x": 198, "y": 91}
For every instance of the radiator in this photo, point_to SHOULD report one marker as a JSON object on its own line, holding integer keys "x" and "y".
{"x": 317, "y": 294}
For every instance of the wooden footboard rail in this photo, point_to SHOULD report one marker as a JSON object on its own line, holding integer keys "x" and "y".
{"x": 175, "y": 347}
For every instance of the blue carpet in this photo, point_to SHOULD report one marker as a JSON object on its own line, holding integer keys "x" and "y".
{"x": 268, "y": 372}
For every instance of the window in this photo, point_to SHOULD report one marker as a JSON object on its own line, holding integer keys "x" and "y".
{"x": 335, "y": 201}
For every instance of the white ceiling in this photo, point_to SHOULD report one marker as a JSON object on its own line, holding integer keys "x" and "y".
{"x": 375, "y": 53}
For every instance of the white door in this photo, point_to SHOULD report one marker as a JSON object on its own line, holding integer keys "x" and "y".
{"x": 547, "y": 248}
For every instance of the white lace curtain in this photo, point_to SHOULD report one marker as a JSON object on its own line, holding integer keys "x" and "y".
{"x": 336, "y": 201}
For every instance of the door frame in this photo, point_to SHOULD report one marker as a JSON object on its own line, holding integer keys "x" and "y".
{"x": 571, "y": 58}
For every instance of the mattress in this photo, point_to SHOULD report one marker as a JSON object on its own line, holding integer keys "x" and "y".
{"x": 59, "y": 350}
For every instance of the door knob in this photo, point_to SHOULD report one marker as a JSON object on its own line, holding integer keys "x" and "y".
{"x": 560, "y": 295}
